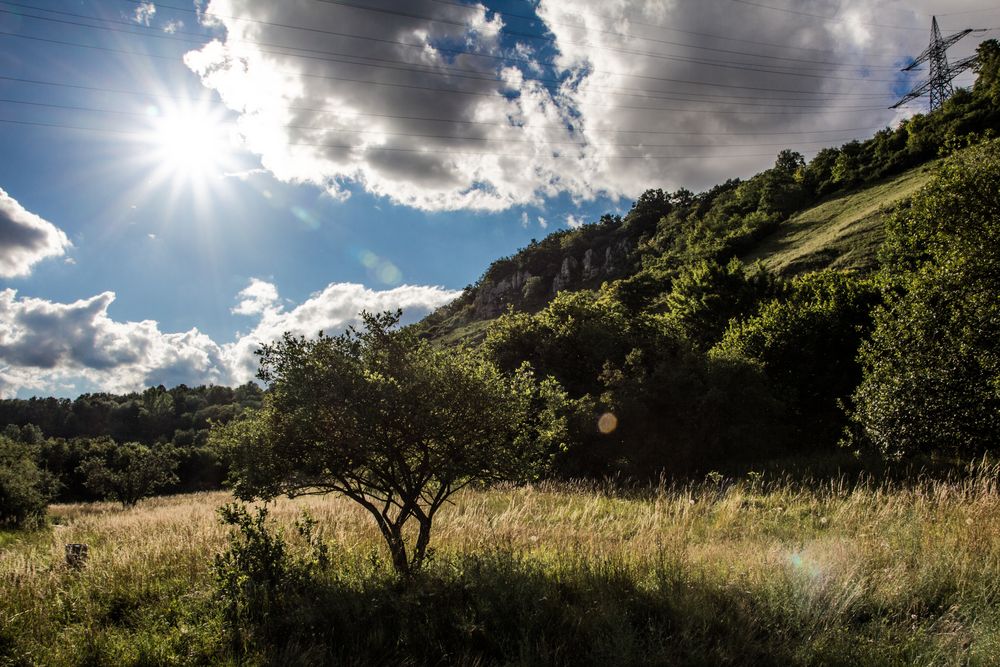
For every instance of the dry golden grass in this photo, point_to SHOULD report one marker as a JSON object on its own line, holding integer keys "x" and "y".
{"x": 924, "y": 556}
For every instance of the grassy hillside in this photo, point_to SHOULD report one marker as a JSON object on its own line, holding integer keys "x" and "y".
{"x": 745, "y": 573}
{"x": 843, "y": 232}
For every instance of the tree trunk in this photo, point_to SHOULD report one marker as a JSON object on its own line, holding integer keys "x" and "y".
{"x": 423, "y": 539}
{"x": 397, "y": 549}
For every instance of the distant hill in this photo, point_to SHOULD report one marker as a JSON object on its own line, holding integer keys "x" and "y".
{"x": 795, "y": 218}
{"x": 840, "y": 231}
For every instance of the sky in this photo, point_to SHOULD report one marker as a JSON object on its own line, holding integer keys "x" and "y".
{"x": 183, "y": 181}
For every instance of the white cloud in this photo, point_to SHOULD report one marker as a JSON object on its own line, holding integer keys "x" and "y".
{"x": 687, "y": 80}
{"x": 45, "y": 345}
{"x": 172, "y": 26}
{"x": 484, "y": 147}
{"x": 542, "y": 222}
{"x": 257, "y": 298}
{"x": 574, "y": 222}
{"x": 331, "y": 310}
{"x": 26, "y": 239}
{"x": 58, "y": 347}
{"x": 144, "y": 13}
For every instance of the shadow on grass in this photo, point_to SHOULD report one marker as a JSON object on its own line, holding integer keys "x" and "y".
{"x": 502, "y": 608}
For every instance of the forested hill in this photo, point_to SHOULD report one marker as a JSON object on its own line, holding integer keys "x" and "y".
{"x": 840, "y": 312}
{"x": 824, "y": 213}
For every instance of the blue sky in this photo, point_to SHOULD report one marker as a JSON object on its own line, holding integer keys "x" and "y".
{"x": 313, "y": 160}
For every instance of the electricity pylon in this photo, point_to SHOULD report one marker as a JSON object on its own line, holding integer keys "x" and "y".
{"x": 938, "y": 85}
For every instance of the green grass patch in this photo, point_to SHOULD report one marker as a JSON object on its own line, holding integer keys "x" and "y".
{"x": 843, "y": 232}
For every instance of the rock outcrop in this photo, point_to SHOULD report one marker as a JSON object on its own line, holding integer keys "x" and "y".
{"x": 495, "y": 293}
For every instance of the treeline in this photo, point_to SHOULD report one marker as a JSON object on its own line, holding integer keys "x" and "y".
{"x": 694, "y": 365}
{"x": 119, "y": 447}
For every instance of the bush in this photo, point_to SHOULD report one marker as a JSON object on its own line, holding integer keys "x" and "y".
{"x": 932, "y": 368}
{"x": 129, "y": 472}
{"x": 807, "y": 343}
{"x": 24, "y": 488}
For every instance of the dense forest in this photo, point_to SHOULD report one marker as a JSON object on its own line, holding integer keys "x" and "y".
{"x": 63, "y": 450}
{"x": 676, "y": 356}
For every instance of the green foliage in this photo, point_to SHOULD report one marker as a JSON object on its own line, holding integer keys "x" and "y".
{"x": 24, "y": 488}
{"x": 129, "y": 472}
{"x": 932, "y": 368}
{"x": 706, "y": 296}
{"x": 806, "y": 342}
{"x": 680, "y": 413}
{"x": 666, "y": 232}
{"x": 393, "y": 423}
{"x": 259, "y": 576}
{"x": 571, "y": 339}
{"x": 69, "y": 431}
{"x": 674, "y": 410}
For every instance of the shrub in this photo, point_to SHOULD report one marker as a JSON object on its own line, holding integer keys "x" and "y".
{"x": 24, "y": 488}
{"x": 807, "y": 342}
{"x": 932, "y": 368}
{"x": 129, "y": 472}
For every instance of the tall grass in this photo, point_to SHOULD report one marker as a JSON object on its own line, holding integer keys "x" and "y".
{"x": 714, "y": 573}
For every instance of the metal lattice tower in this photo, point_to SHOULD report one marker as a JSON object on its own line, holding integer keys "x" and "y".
{"x": 938, "y": 85}
{"x": 941, "y": 88}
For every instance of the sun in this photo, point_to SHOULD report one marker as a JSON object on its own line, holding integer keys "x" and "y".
{"x": 191, "y": 142}
{"x": 185, "y": 156}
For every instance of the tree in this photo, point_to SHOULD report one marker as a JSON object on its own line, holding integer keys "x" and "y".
{"x": 393, "y": 423}
{"x": 807, "y": 343}
{"x": 706, "y": 296}
{"x": 129, "y": 472}
{"x": 932, "y": 367}
{"x": 24, "y": 489}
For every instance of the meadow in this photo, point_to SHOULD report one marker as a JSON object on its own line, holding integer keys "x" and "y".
{"x": 720, "y": 572}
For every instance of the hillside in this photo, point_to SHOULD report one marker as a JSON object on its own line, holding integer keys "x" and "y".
{"x": 843, "y": 232}
{"x": 797, "y": 217}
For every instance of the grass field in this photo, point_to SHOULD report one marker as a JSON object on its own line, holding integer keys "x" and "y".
{"x": 743, "y": 573}
{"x": 843, "y": 232}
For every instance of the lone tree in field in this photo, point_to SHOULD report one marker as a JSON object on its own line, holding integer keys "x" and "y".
{"x": 393, "y": 423}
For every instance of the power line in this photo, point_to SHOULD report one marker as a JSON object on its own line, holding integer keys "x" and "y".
{"x": 490, "y": 94}
{"x": 970, "y": 11}
{"x": 831, "y": 19}
{"x": 495, "y": 94}
{"x": 703, "y": 97}
{"x": 328, "y": 110}
{"x": 412, "y": 135}
{"x": 667, "y": 27}
{"x": 657, "y": 26}
{"x": 347, "y": 147}
{"x": 624, "y": 35}
{"x": 768, "y": 90}
{"x": 523, "y": 16}
{"x": 403, "y": 14}
{"x": 674, "y": 58}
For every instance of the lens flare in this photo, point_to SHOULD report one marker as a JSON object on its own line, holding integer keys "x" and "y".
{"x": 607, "y": 423}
